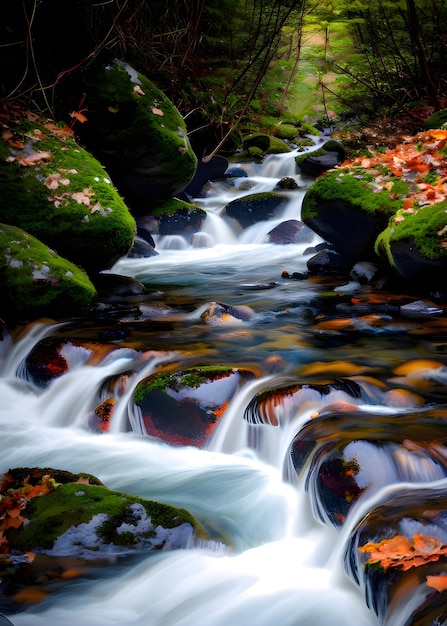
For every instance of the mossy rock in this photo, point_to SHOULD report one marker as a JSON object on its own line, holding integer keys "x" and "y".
{"x": 37, "y": 282}
{"x": 256, "y": 207}
{"x": 343, "y": 209}
{"x": 139, "y": 135}
{"x": 58, "y": 192}
{"x": 289, "y": 132}
{"x": 415, "y": 244}
{"x": 268, "y": 144}
{"x": 437, "y": 119}
{"x": 75, "y": 515}
{"x": 183, "y": 407}
{"x": 179, "y": 217}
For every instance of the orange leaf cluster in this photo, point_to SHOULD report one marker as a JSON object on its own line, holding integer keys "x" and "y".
{"x": 13, "y": 502}
{"x": 412, "y": 161}
{"x": 405, "y": 552}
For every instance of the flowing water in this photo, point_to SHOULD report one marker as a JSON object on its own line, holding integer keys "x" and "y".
{"x": 285, "y": 565}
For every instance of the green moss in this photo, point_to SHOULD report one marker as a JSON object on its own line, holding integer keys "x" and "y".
{"x": 356, "y": 188}
{"x": 286, "y": 131}
{"x": 193, "y": 378}
{"x": 171, "y": 206}
{"x": 65, "y": 198}
{"x": 72, "y": 504}
{"x": 427, "y": 229}
{"x": 39, "y": 282}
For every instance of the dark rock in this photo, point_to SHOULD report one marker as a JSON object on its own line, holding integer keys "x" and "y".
{"x": 255, "y": 208}
{"x": 328, "y": 262}
{"x": 138, "y": 134}
{"x": 332, "y": 153}
{"x": 213, "y": 169}
{"x": 290, "y": 231}
{"x": 141, "y": 249}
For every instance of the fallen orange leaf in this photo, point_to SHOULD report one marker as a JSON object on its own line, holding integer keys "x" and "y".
{"x": 437, "y": 582}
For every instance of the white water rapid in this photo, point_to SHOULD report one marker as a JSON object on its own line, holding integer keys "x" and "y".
{"x": 285, "y": 568}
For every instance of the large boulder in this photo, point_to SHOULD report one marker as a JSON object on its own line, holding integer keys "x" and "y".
{"x": 56, "y": 191}
{"x": 415, "y": 244}
{"x": 345, "y": 209}
{"x": 177, "y": 217}
{"x": 138, "y": 134}
{"x": 37, "y": 282}
{"x": 313, "y": 164}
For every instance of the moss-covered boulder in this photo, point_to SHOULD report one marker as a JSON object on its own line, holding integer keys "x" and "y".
{"x": 415, "y": 244}
{"x": 346, "y": 209}
{"x": 55, "y": 190}
{"x": 259, "y": 144}
{"x": 138, "y": 134}
{"x": 37, "y": 282}
{"x": 178, "y": 217}
{"x": 57, "y": 513}
{"x": 256, "y": 207}
{"x": 184, "y": 407}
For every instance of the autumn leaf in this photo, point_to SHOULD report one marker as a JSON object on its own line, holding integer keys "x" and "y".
{"x": 404, "y": 552}
{"x": 54, "y": 180}
{"x": 137, "y": 89}
{"x": 83, "y": 197}
{"x": 437, "y": 582}
{"x": 83, "y": 480}
{"x": 78, "y": 116}
{"x": 156, "y": 111}
{"x": 32, "y": 159}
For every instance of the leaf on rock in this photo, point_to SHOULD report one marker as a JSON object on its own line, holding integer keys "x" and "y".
{"x": 32, "y": 159}
{"x": 137, "y": 89}
{"x": 437, "y": 582}
{"x": 404, "y": 552}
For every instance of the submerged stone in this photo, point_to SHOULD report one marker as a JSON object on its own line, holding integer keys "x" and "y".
{"x": 184, "y": 407}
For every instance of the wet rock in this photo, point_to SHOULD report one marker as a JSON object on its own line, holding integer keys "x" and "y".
{"x": 219, "y": 312}
{"x": 420, "y": 309}
{"x": 287, "y": 182}
{"x": 206, "y": 170}
{"x": 364, "y": 272}
{"x": 52, "y": 512}
{"x": 339, "y": 209}
{"x": 332, "y": 153}
{"x": 51, "y": 358}
{"x": 415, "y": 245}
{"x": 141, "y": 249}
{"x": 397, "y": 555}
{"x": 328, "y": 262}
{"x": 289, "y": 231}
{"x": 255, "y": 208}
{"x": 184, "y": 407}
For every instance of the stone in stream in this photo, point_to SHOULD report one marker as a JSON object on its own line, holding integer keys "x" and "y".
{"x": 56, "y": 525}
{"x": 343, "y": 453}
{"x": 183, "y": 407}
{"x": 397, "y": 555}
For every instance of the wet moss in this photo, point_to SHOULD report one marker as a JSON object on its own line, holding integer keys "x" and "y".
{"x": 355, "y": 188}
{"x": 426, "y": 228}
{"x": 173, "y": 205}
{"x": 72, "y": 504}
{"x": 193, "y": 378}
